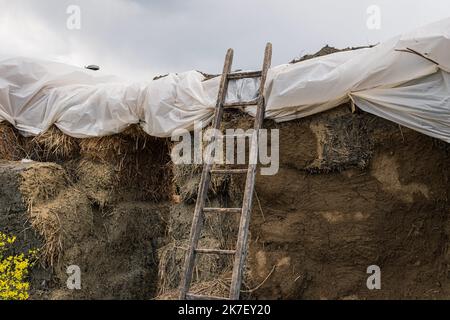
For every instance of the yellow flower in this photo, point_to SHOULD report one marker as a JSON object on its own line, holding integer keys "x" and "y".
{"x": 13, "y": 271}
{"x": 11, "y": 240}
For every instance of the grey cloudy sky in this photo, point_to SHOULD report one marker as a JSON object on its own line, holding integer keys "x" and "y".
{"x": 139, "y": 39}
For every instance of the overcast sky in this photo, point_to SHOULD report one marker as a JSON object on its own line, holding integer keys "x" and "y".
{"x": 139, "y": 39}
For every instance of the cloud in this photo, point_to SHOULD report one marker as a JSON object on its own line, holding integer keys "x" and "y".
{"x": 139, "y": 39}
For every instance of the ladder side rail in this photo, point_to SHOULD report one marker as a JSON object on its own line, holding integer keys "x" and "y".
{"x": 197, "y": 220}
{"x": 241, "y": 244}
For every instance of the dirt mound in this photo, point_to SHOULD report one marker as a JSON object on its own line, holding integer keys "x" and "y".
{"x": 84, "y": 209}
{"x": 326, "y": 51}
{"x": 115, "y": 246}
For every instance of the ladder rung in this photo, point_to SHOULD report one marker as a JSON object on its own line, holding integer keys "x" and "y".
{"x": 227, "y": 171}
{"x": 193, "y": 296}
{"x": 243, "y": 75}
{"x": 215, "y": 251}
{"x": 241, "y": 104}
{"x": 222, "y": 210}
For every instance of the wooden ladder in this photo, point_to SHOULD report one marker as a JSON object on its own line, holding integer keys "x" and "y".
{"x": 241, "y": 245}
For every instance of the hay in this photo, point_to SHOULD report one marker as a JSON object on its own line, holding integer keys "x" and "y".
{"x": 148, "y": 173}
{"x": 219, "y": 231}
{"x": 98, "y": 180}
{"x": 9, "y": 143}
{"x": 116, "y": 147}
{"x": 142, "y": 162}
{"x": 171, "y": 262}
{"x": 43, "y": 187}
{"x": 221, "y": 227}
{"x": 186, "y": 179}
{"x": 136, "y": 132}
{"x": 106, "y": 149}
{"x": 62, "y": 221}
{"x": 219, "y": 287}
{"x": 41, "y": 182}
{"x": 344, "y": 142}
{"x": 53, "y": 144}
{"x": 48, "y": 225}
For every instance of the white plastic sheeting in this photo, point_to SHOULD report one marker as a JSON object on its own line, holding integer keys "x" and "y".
{"x": 405, "y": 80}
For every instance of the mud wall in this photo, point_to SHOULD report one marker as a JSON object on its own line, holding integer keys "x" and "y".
{"x": 352, "y": 191}
{"x": 373, "y": 194}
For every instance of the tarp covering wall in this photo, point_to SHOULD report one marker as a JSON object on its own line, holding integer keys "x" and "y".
{"x": 406, "y": 80}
